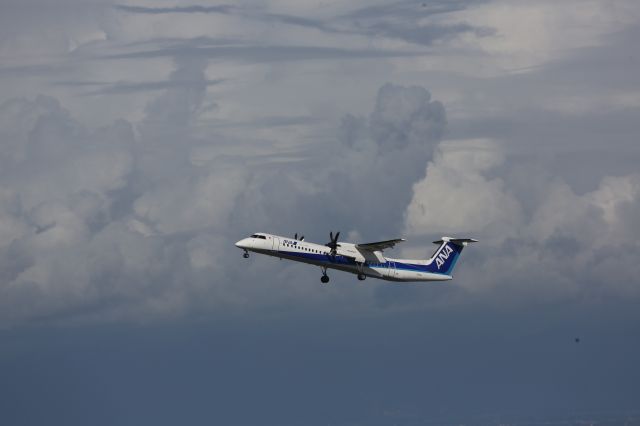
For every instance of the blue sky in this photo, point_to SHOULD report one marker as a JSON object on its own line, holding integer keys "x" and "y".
{"x": 140, "y": 140}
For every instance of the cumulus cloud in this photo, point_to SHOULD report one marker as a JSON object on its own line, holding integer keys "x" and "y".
{"x": 563, "y": 245}
{"x": 86, "y": 212}
{"x": 387, "y": 154}
{"x": 47, "y": 154}
{"x": 459, "y": 196}
{"x": 129, "y": 221}
{"x": 135, "y": 218}
{"x": 57, "y": 177}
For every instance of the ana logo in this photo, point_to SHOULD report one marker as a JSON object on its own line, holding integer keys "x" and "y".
{"x": 443, "y": 255}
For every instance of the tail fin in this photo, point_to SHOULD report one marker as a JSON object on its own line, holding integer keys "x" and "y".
{"x": 444, "y": 259}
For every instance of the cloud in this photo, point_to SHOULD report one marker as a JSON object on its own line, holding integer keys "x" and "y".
{"x": 457, "y": 196}
{"x": 414, "y": 22}
{"x": 229, "y": 10}
{"x": 264, "y": 54}
{"x": 123, "y": 222}
{"x": 48, "y": 154}
{"x": 120, "y": 224}
{"x": 123, "y": 88}
{"x": 131, "y": 222}
{"x": 222, "y": 9}
{"x": 60, "y": 177}
{"x": 532, "y": 34}
{"x": 409, "y": 9}
{"x": 400, "y": 20}
{"x": 124, "y": 209}
{"x": 379, "y": 157}
{"x": 564, "y": 245}
{"x": 41, "y": 70}
{"x": 135, "y": 219}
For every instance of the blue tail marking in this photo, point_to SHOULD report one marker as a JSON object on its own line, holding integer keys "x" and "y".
{"x": 444, "y": 259}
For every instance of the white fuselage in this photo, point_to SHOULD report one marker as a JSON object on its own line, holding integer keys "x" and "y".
{"x": 347, "y": 258}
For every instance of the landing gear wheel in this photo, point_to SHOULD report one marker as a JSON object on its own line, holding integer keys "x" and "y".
{"x": 324, "y": 279}
{"x": 246, "y": 255}
{"x": 362, "y": 277}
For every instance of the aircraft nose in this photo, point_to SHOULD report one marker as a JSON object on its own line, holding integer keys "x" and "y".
{"x": 243, "y": 243}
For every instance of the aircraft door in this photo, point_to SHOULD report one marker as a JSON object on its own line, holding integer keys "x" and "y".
{"x": 276, "y": 244}
{"x": 391, "y": 270}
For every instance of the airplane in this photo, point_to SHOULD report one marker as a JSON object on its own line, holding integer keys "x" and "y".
{"x": 363, "y": 260}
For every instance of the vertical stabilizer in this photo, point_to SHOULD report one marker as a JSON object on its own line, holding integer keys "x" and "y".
{"x": 445, "y": 257}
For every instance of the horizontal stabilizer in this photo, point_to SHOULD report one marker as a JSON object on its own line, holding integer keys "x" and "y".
{"x": 458, "y": 241}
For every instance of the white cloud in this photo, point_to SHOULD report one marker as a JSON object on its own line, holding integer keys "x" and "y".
{"x": 135, "y": 219}
{"x": 192, "y": 202}
{"x": 457, "y": 197}
{"x": 563, "y": 245}
{"x": 528, "y": 34}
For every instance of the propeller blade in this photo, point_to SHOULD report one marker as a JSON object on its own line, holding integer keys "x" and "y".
{"x": 302, "y": 238}
{"x": 295, "y": 237}
{"x": 337, "y": 235}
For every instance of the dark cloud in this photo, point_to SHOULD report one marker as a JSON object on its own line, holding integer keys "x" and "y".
{"x": 123, "y": 88}
{"x": 410, "y": 9}
{"x": 227, "y": 10}
{"x": 398, "y": 20}
{"x": 298, "y": 21}
{"x": 263, "y": 54}
{"x": 38, "y": 70}
{"x": 273, "y": 121}
{"x": 405, "y": 21}
{"x": 428, "y": 34}
{"x": 222, "y": 9}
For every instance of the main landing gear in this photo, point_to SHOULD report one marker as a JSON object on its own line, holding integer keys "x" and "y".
{"x": 325, "y": 278}
{"x": 246, "y": 254}
{"x": 361, "y": 275}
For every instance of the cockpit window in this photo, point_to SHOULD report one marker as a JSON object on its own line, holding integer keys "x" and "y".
{"x": 254, "y": 236}
{"x": 262, "y": 237}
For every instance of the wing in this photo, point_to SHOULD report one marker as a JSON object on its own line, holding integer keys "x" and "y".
{"x": 380, "y": 245}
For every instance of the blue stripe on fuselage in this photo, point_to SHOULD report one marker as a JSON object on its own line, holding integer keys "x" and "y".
{"x": 342, "y": 260}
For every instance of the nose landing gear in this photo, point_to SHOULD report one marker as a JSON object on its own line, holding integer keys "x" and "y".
{"x": 246, "y": 254}
{"x": 362, "y": 277}
{"x": 325, "y": 278}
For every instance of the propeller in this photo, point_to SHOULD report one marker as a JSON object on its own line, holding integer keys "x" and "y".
{"x": 295, "y": 237}
{"x": 333, "y": 244}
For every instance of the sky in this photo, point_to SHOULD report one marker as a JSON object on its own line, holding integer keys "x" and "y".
{"x": 139, "y": 140}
